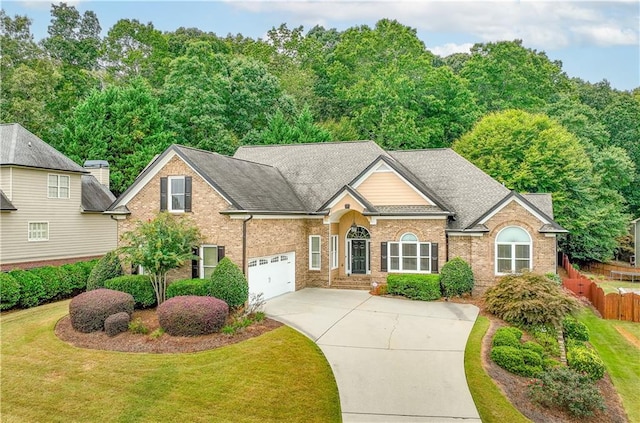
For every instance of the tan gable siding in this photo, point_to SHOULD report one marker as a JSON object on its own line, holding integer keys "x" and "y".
{"x": 347, "y": 199}
{"x": 386, "y": 188}
{"x": 71, "y": 233}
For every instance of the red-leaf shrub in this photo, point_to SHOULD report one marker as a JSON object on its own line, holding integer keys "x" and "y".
{"x": 117, "y": 323}
{"x": 89, "y": 310}
{"x": 190, "y": 315}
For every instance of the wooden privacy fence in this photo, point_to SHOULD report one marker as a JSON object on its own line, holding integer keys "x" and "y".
{"x": 611, "y": 306}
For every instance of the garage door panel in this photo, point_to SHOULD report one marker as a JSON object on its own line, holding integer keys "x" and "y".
{"x": 272, "y": 275}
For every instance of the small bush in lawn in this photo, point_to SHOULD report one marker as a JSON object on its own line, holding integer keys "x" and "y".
{"x": 229, "y": 284}
{"x": 137, "y": 285}
{"x": 89, "y": 310}
{"x": 198, "y": 287}
{"x": 108, "y": 267}
{"x": 507, "y": 336}
{"x": 529, "y": 300}
{"x": 9, "y": 291}
{"x": 32, "y": 290}
{"x": 192, "y": 315}
{"x": 117, "y": 323}
{"x": 414, "y": 286}
{"x": 456, "y": 278}
{"x": 136, "y": 326}
{"x": 547, "y": 337}
{"x": 568, "y": 390}
{"x": 582, "y": 358}
{"x": 574, "y": 329}
{"x": 516, "y": 360}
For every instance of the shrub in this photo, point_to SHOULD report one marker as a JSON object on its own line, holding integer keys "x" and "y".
{"x": 76, "y": 275}
{"x": 9, "y": 291}
{"x": 139, "y": 286}
{"x": 89, "y": 310}
{"x": 528, "y": 300}
{"x": 32, "y": 290}
{"x": 547, "y": 337}
{"x": 553, "y": 277}
{"x": 574, "y": 329}
{"x": 507, "y": 336}
{"x": 535, "y": 347}
{"x": 229, "y": 284}
{"x": 108, "y": 267}
{"x": 192, "y": 315}
{"x": 54, "y": 280}
{"x": 87, "y": 267}
{"x": 117, "y": 323}
{"x": 517, "y": 360}
{"x": 198, "y": 287}
{"x": 456, "y": 278}
{"x": 568, "y": 390}
{"x": 136, "y": 326}
{"x": 417, "y": 287}
{"x": 582, "y": 358}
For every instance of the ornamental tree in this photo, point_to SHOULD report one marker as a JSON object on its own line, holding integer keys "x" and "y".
{"x": 160, "y": 245}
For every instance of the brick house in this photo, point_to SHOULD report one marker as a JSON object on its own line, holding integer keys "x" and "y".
{"x": 343, "y": 214}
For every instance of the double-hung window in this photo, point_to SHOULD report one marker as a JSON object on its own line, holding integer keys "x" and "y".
{"x": 208, "y": 260}
{"x": 409, "y": 255}
{"x": 58, "y": 186}
{"x": 334, "y": 251}
{"x": 175, "y": 194}
{"x": 513, "y": 250}
{"x": 314, "y": 252}
{"x": 38, "y": 231}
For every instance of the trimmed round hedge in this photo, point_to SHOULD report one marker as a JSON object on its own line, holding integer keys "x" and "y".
{"x": 191, "y": 315}
{"x": 198, "y": 287}
{"x": 89, "y": 310}
{"x": 456, "y": 278}
{"x": 117, "y": 323}
{"x": 229, "y": 284}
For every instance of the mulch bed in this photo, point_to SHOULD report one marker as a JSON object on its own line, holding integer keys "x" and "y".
{"x": 132, "y": 342}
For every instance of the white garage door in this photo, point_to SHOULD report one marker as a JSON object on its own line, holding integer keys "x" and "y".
{"x": 272, "y": 275}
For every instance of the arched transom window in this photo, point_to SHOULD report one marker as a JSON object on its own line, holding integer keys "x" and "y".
{"x": 409, "y": 255}
{"x": 513, "y": 250}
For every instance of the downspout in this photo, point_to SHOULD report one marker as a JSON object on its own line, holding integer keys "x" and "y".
{"x": 330, "y": 257}
{"x": 244, "y": 244}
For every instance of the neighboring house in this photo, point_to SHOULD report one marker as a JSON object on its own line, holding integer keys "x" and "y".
{"x": 343, "y": 214}
{"x": 51, "y": 208}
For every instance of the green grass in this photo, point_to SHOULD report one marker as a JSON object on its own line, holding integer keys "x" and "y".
{"x": 620, "y": 357}
{"x": 279, "y": 376}
{"x": 492, "y": 405}
{"x": 612, "y": 285}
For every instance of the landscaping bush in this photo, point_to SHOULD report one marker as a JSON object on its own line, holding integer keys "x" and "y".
{"x": 547, "y": 337}
{"x": 76, "y": 275}
{"x": 139, "y": 286}
{"x": 417, "y": 287}
{"x": 117, "y": 323}
{"x": 229, "y": 284}
{"x": 32, "y": 290}
{"x": 192, "y": 315}
{"x": 137, "y": 326}
{"x": 574, "y": 329}
{"x": 89, "y": 310}
{"x": 568, "y": 390}
{"x": 87, "y": 267}
{"x": 54, "y": 280}
{"x": 108, "y": 267}
{"x": 517, "y": 360}
{"x": 456, "y": 278}
{"x": 529, "y": 300}
{"x": 198, "y": 287}
{"x": 9, "y": 291}
{"x": 535, "y": 347}
{"x": 554, "y": 277}
{"x": 507, "y": 336}
{"x": 582, "y": 358}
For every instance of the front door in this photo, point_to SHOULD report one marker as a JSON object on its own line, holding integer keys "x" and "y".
{"x": 359, "y": 256}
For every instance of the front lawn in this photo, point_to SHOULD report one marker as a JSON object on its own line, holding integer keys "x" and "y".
{"x": 279, "y": 376}
{"x": 620, "y": 357}
{"x": 609, "y": 286}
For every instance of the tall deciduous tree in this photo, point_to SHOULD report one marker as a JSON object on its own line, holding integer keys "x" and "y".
{"x": 302, "y": 130}
{"x": 533, "y": 153}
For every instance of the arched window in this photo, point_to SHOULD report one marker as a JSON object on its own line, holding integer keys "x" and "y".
{"x": 513, "y": 250}
{"x": 409, "y": 255}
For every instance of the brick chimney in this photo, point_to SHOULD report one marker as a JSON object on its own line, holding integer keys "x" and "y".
{"x": 99, "y": 169}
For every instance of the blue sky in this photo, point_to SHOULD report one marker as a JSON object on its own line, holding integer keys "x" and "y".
{"x": 595, "y": 40}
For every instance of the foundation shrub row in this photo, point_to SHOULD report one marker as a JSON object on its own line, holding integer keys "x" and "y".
{"x": 139, "y": 286}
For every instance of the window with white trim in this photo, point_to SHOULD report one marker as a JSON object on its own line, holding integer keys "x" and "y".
{"x": 57, "y": 186}
{"x": 38, "y": 231}
{"x": 176, "y": 193}
{"x": 513, "y": 250}
{"x": 409, "y": 255}
{"x": 314, "y": 252}
{"x": 334, "y": 251}
{"x": 208, "y": 260}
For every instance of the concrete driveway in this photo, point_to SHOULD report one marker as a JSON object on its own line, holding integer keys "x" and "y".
{"x": 394, "y": 360}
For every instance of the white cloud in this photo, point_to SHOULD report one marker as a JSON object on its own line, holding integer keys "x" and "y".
{"x": 540, "y": 24}
{"x": 450, "y": 48}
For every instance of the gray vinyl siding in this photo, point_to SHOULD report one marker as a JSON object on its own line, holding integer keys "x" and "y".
{"x": 637, "y": 242}
{"x": 71, "y": 232}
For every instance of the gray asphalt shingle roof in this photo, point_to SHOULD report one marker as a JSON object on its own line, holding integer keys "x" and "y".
{"x": 19, "y": 147}
{"x": 95, "y": 196}
{"x": 5, "y": 204}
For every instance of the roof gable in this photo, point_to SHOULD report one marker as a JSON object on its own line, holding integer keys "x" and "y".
{"x": 19, "y": 147}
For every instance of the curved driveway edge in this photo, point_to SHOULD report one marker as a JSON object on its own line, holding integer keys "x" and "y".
{"x": 394, "y": 360}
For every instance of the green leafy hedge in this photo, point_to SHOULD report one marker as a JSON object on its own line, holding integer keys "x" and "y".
{"x": 32, "y": 292}
{"x": 9, "y": 291}
{"x": 521, "y": 361}
{"x": 55, "y": 281}
{"x": 582, "y": 358}
{"x": 414, "y": 286}
{"x": 229, "y": 284}
{"x": 456, "y": 278}
{"x": 507, "y": 336}
{"x": 139, "y": 286}
{"x": 108, "y": 267}
{"x": 574, "y": 329}
{"x": 199, "y": 287}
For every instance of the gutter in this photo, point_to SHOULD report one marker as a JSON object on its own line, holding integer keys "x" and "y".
{"x": 244, "y": 244}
